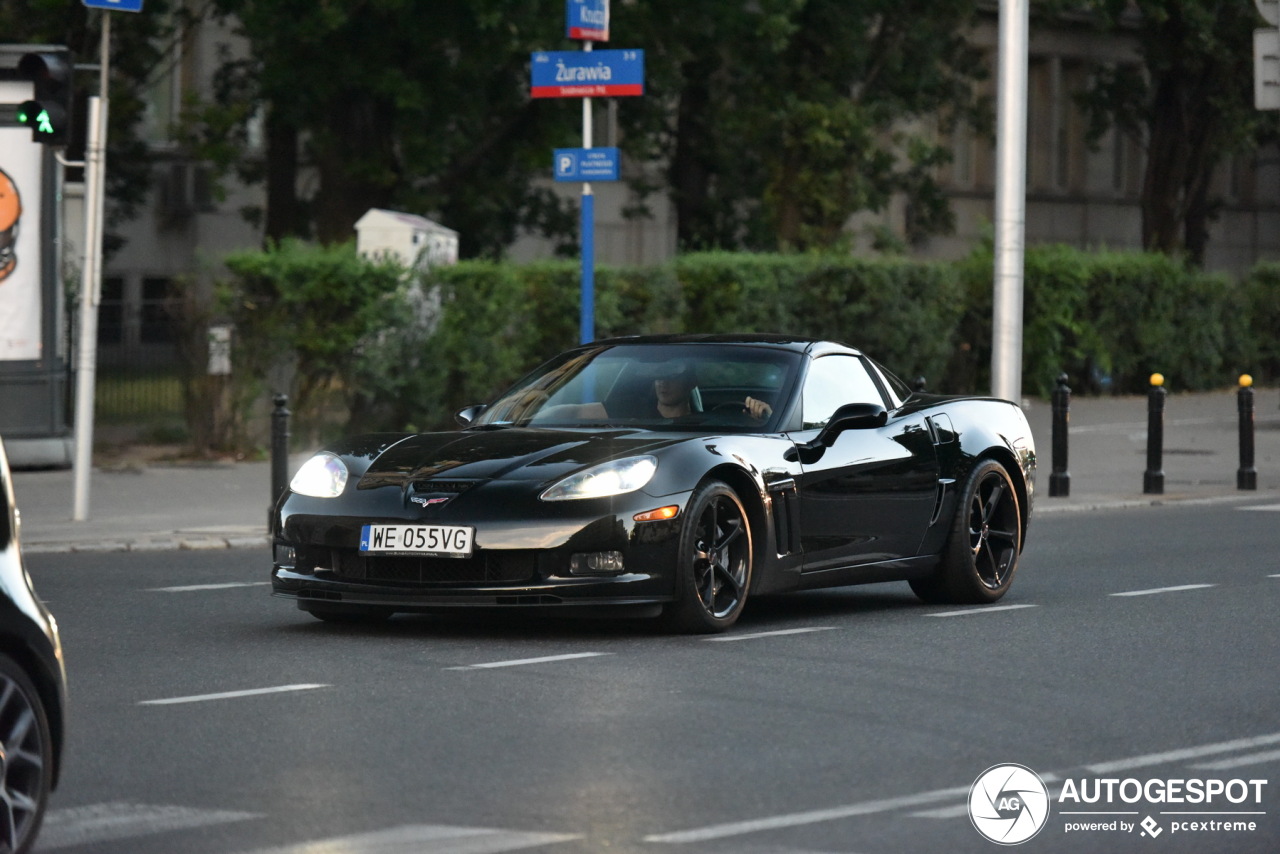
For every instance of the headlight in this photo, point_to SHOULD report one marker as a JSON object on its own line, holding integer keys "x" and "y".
{"x": 322, "y": 476}
{"x": 604, "y": 480}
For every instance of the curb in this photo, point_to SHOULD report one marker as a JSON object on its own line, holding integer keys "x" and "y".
{"x": 154, "y": 544}
{"x": 1085, "y": 504}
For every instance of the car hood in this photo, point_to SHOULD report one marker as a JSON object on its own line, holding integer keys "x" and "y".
{"x": 511, "y": 453}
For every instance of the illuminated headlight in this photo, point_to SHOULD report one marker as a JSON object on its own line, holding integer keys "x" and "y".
{"x": 322, "y": 476}
{"x": 613, "y": 478}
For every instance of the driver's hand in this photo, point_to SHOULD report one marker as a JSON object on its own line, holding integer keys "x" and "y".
{"x": 757, "y": 409}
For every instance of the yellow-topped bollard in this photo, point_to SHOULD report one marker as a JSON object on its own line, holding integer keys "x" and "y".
{"x": 1153, "y": 477}
{"x": 1246, "y": 475}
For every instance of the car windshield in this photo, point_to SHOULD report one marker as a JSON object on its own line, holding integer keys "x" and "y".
{"x": 725, "y": 387}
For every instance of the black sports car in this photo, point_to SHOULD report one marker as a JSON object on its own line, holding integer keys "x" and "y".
{"x": 675, "y": 474}
{"x": 32, "y": 689}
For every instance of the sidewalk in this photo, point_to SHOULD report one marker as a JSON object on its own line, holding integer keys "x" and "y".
{"x": 176, "y": 505}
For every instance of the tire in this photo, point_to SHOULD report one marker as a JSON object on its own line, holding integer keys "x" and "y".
{"x": 349, "y": 614}
{"x": 27, "y": 760}
{"x": 713, "y": 576}
{"x": 981, "y": 554}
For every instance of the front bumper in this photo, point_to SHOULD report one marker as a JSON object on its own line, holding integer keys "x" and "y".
{"x": 519, "y": 564}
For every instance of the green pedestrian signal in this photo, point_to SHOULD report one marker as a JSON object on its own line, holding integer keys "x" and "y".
{"x": 48, "y": 113}
{"x": 47, "y": 121}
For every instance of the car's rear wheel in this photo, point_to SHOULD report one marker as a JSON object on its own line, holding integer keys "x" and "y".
{"x": 981, "y": 555}
{"x": 26, "y": 760}
{"x": 714, "y": 573}
{"x": 347, "y": 613}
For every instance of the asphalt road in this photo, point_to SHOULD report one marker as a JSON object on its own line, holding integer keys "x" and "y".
{"x": 1137, "y": 644}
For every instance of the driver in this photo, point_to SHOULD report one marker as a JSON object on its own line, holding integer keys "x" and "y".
{"x": 673, "y": 390}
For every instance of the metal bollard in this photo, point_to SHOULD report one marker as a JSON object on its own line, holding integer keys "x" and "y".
{"x": 1153, "y": 477}
{"x": 1059, "y": 479}
{"x": 1246, "y": 475}
{"x": 279, "y": 452}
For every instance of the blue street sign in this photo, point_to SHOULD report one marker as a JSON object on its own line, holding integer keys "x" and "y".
{"x": 585, "y": 164}
{"x": 115, "y": 5}
{"x": 587, "y": 73}
{"x": 587, "y": 20}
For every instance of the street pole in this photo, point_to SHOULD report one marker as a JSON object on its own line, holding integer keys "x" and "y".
{"x": 587, "y": 297}
{"x": 91, "y": 282}
{"x": 1010, "y": 213}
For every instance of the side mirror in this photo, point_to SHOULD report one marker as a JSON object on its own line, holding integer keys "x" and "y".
{"x": 468, "y": 414}
{"x": 851, "y": 416}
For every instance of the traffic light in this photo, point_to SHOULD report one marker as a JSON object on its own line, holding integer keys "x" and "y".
{"x": 48, "y": 114}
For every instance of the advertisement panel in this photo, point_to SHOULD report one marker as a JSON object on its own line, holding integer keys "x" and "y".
{"x": 20, "y": 255}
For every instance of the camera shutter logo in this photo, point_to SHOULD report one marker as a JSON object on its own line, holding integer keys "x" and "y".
{"x": 1008, "y": 804}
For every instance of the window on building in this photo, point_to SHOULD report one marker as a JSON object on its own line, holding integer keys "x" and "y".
{"x": 111, "y": 312}
{"x": 157, "y": 321}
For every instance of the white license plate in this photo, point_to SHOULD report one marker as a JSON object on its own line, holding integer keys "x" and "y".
{"x": 450, "y": 540}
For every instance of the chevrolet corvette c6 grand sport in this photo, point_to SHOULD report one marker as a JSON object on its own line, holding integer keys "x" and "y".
{"x": 674, "y": 475}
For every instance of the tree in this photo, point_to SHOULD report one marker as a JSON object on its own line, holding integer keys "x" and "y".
{"x": 390, "y": 103}
{"x": 782, "y": 118}
{"x": 141, "y": 50}
{"x": 1190, "y": 106}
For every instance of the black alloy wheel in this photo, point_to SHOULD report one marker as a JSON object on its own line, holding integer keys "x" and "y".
{"x": 26, "y": 758}
{"x": 715, "y": 561}
{"x": 981, "y": 555}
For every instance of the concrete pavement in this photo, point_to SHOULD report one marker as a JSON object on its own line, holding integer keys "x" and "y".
{"x": 149, "y": 506}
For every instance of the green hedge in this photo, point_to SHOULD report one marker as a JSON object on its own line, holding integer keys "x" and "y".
{"x": 1111, "y": 319}
{"x": 1107, "y": 319}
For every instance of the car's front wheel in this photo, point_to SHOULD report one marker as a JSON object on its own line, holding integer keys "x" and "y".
{"x": 714, "y": 572}
{"x": 26, "y": 763}
{"x": 981, "y": 555}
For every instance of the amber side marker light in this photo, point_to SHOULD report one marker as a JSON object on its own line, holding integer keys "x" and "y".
{"x": 659, "y": 515}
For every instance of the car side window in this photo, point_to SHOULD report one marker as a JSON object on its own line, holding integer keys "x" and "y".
{"x": 832, "y": 382}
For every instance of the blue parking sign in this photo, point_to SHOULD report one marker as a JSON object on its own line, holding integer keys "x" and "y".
{"x": 586, "y": 164}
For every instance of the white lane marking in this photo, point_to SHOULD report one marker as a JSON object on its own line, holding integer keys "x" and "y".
{"x": 520, "y": 662}
{"x": 773, "y": 634}
{"x": 425, "y": 839}
{"x": 1185, "y": 753}
{"x": 1250, "y": 759}
{"x": 98, "y": 823}
{"x": 959, "y": 810}
{"x": 187, "y": 588}
{"x": 1164, "y": 590}
{"x": 943, "y": 812}
{"x": 1272, "y": 507}
{"x": 740, "y": 828}
{"x": 979, "y": 609}
{"x": 230, "y": 695}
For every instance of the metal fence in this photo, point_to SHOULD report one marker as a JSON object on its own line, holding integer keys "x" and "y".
{"x": 139, "y": 375}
